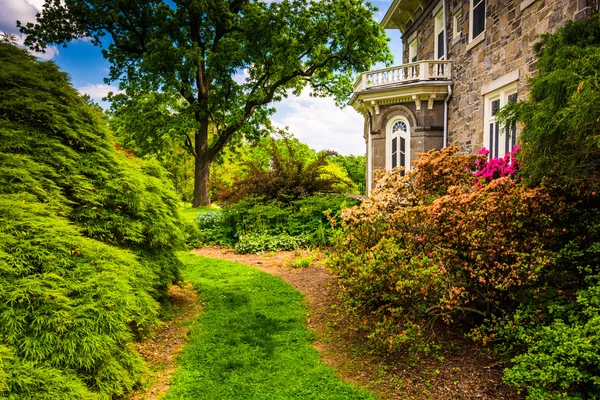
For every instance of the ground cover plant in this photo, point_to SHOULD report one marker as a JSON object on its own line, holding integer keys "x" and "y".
{"x": 88, "y": 237}
{"x": 252, "y": 341}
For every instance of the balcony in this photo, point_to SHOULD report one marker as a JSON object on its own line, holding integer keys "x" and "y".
{"x": 403, "y": 74}
{"x": 425, "y": 80}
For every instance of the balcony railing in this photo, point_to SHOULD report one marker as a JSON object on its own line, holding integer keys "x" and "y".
{"x": 407, "y": 73}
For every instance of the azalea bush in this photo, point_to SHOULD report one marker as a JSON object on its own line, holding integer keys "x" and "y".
{"x": 437, "y": 243}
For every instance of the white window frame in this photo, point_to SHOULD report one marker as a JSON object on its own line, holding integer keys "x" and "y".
{"x": 413, "y": 51}
{"x": 472, "y": 5}
{"x": 388, "y": 143}
{"x": 502, "y": 94}
{"x": 439, "y": 28}
{"x": 456, "y": 29}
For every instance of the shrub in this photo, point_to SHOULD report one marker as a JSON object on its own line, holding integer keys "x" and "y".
{"x": 304, "y": 218}
{"x": 287, "y": 175}
{"x": 407, "y": 256}
{"x": 87, "y": 241}
{"x": 261, "y": 242}
{"x": 559, "y": 139}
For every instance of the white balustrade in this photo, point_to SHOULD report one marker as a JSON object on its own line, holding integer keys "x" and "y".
{"x": 407, "y": 73}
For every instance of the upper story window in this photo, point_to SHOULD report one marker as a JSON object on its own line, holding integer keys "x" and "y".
{"x": 477, "y": 18}
{"x": 439, "y": 36}
{"x": 499, "y": 139}
{"x": 412, "y": 51}
{"x": 456, "y": 24}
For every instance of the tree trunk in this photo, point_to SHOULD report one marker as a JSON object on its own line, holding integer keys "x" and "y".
{"x": 202, "y": 166}
{"x": 201, "y": 176}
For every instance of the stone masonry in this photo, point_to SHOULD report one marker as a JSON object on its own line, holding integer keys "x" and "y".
{"x": 511, "y": 31}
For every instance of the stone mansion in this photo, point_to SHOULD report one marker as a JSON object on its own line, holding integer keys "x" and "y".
{"x": 463, "y": 60}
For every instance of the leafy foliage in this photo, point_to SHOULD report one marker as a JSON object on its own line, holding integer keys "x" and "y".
{"x": 290, "y": 171}
{"x": 261, "y": 242}
{"x": 87, "y": 241}
{"x": 355, "y": 167}
{"x": 434, "y": 244}
{"x": 255, "y": 225}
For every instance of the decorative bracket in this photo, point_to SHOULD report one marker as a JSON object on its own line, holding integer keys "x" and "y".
{"x": 430, "y": 102}
{"x": 376, "y": 106}
{"x": 417, "y": 102}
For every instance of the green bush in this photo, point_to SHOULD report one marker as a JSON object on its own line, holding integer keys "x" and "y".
{"x": 560, "y": 119}
{"x": 87, "y": 241}
{"x": 305, "y": 218}
{"x": 562, "y": 360}
{"x": 261, "y": 242}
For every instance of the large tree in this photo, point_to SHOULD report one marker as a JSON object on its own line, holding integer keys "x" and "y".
{"x": 227, "y": 59}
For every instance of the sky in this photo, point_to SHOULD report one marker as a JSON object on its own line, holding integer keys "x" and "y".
{"x": 315, "y": 121}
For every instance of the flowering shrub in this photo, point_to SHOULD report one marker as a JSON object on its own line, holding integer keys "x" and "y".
{"x": 497, "y": 167}
{"x": 407, "y": 256}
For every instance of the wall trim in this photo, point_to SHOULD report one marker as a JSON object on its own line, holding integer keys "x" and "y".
{"x": 500, "y": 82}
{"x": 476, "y": 41}
{"x": 436, "y": 9}
{"x": 526, "y": 3}
{"x": 411, "y": 37}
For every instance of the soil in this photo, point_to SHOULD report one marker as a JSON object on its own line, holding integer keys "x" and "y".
{"x": 162, "y": 349}
{"x": 467, "y": 370}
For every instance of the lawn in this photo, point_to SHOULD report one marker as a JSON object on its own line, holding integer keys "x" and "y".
{"x": 252, "y": 341}
{"x": 190, "y": 213}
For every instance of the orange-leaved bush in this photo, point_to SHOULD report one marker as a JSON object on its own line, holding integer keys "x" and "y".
{"x": 438, "y": 242}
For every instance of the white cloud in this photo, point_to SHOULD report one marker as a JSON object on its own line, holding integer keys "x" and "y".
{"x": 98, "y": 91}
{"x": 321, "y": 124}
{"x": 24, "y": 11}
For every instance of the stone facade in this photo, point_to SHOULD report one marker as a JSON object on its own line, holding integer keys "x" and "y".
{"x": 507, "y": 47}
{"x": 502, "y": 55}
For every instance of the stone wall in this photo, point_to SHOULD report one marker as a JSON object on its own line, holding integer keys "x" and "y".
{"x": 512, "y": 28}
{"x": 507, "y": 47}
{"x": 424, "y": 29}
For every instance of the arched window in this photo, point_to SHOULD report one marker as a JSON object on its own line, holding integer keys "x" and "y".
{"x": 398, "y": 144}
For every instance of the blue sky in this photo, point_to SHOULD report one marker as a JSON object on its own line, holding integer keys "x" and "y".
{"x": 316, "y": 121}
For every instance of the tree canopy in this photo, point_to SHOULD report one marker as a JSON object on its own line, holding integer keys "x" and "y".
{"x": 223, "y": 61}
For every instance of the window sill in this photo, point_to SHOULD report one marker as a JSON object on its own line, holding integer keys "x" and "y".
{"x": 476, "y": 41}
{"x": 526, "y": 3}
{"x": 456, "y": 39}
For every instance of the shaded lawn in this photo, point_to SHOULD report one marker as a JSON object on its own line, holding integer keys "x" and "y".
{"x": 189, "y": 213}
{"x": 251, "y": 342}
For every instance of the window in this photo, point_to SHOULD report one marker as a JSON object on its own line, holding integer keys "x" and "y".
{"x": 398, "y": 145}
{"x": 477, "y": 18}
{"x": 439, "y": 36}
{"x": 412, "y": 51}
{"x": 498, "y": 139}
{"x": 456, "y": 24}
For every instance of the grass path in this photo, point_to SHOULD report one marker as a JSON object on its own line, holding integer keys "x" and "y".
{"x": 251, "y": 342}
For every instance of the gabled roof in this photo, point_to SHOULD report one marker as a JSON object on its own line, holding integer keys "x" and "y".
{"x": 401, "y": 12}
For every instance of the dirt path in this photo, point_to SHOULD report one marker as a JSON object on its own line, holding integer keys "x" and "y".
{"x": 468, "y": 373}
{"x": 161, "y": 350}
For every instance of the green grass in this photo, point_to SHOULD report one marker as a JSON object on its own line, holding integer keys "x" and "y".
{"x": 251, "y": 342}
{"x": 190, "y": 213}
